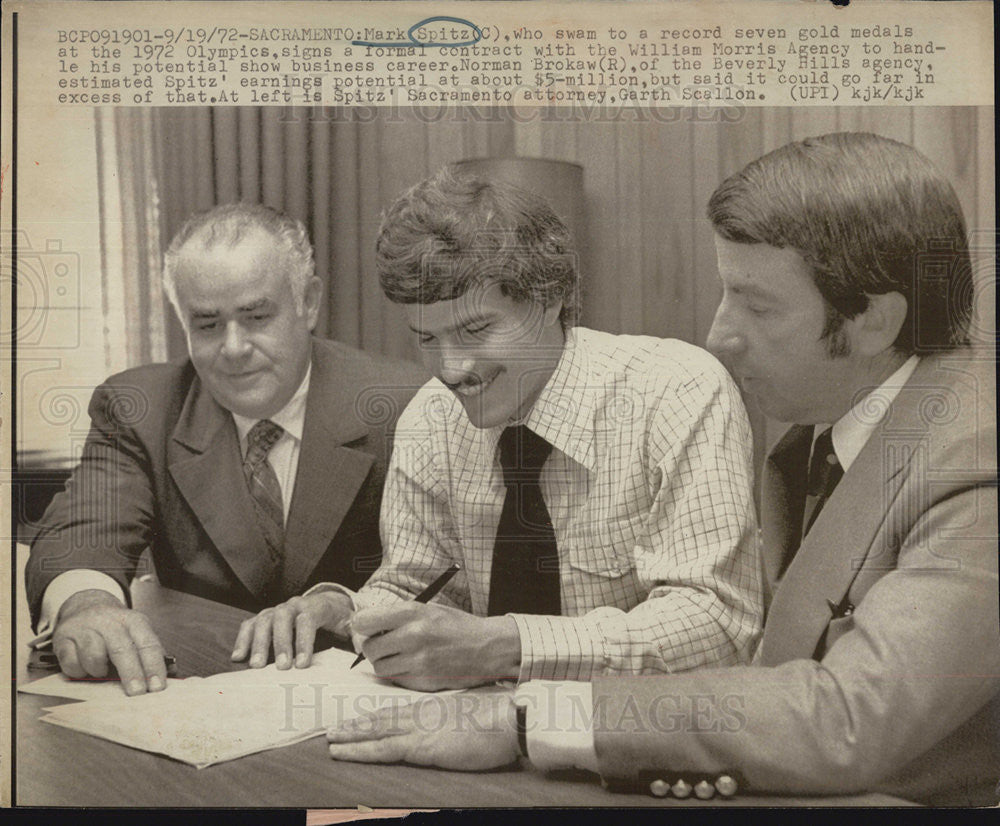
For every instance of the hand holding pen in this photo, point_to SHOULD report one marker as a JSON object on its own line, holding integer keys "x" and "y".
{"x": 434, "y": 646}
{"x": 425, "y": 596}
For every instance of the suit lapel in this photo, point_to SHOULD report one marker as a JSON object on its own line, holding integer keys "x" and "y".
{"x": 330, "y": 473}
{"x": 843, "y": 538}
{"x": 205, "y": 462}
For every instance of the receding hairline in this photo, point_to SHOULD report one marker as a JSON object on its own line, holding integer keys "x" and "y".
{"x": 227, "y": 232}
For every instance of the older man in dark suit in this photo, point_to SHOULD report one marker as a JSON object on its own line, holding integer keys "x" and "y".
{"x": 250, "y": 470}
{"x": 847, "y": 290}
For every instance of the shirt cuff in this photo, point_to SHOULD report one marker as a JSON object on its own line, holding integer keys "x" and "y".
{"x": 559, "y": 724}
{"x": 61, "y": 589}
{"x": 557, "y": 648}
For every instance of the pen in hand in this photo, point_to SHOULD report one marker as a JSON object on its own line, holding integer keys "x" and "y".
{"x": 425, "y": 596}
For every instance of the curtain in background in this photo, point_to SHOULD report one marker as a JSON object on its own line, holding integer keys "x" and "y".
{"x": 132, "y": 301}
{"x": 650, "y": 257}
{"x": 647, "y": 256}
{"x": 335, "y": 170}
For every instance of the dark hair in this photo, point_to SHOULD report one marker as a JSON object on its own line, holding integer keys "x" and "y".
{"x": 870, "y": 215}
{"x": 229, "y": 224}
{"x": 451, "y": 231}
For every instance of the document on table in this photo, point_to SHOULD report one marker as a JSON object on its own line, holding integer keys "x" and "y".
{"x": 59, "y": 685}
{"x": 209, "y": 720}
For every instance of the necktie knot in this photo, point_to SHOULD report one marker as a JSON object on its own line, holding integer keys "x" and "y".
{"x": 522, "y": 454}
{"x": 824, "y": 466}
{"x": 824, "y": 474}
{"x": 261, "y": 439}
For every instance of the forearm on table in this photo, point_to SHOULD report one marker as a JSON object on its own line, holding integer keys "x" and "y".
{"x": 795, "y": 728}
{"x": 700, "y": 559}
{"x": 671, "y": 632}
{"x": 103, "y": 520}
{"x": 921, "y": 656}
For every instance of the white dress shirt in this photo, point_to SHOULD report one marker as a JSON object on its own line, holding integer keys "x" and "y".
{"x": 852, "y": 431}
{"x": 558, "y": 734}
{"x": 284, "y": 458}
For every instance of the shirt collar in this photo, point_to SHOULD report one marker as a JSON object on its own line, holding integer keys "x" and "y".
{"x": 563, "y": 414}
{"x": 291, "y": 417}
{"x": 853, "y": 430}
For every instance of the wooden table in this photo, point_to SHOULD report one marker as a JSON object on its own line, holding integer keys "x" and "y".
{"x": 59, "y": 767}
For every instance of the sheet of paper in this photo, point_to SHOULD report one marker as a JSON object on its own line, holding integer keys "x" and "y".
{"x": 231, "y": 715}
{"x": 59, "y": 685}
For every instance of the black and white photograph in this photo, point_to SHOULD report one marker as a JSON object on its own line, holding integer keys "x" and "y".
{"x": 460, "y": 456}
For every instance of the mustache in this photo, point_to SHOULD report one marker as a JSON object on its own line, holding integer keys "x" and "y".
{"x": 471, "y": 380}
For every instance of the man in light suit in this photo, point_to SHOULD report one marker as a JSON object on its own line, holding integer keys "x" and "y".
{"x": 250, "y": 470}
{"x": 846, "y": 293}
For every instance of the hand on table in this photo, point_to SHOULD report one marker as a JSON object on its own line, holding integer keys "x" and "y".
{"x": 472, "y": 731}
{"x": 291, "y": 629}
{"x": 430, "y": 647}
{"x": 94, "y": 628}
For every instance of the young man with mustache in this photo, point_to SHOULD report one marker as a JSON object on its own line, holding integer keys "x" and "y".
{"x": 595, "y": 490}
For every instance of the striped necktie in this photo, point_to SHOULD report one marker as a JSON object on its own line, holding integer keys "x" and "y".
{"x": 264, "y": 488}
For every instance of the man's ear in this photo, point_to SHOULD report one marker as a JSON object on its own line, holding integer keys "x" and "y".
{"x": 311, "y": 301}
{"x": 876, "y": 329}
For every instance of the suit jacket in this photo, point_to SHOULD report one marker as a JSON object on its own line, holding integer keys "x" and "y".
{"x": 879, "y": 667}
{"x": 161, "y": 468}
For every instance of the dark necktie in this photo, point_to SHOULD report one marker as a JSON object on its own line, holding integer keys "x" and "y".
{"x": 525, "y": 575}
{"x": 824, "y": 474}
{"x": 263, "y": 484}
